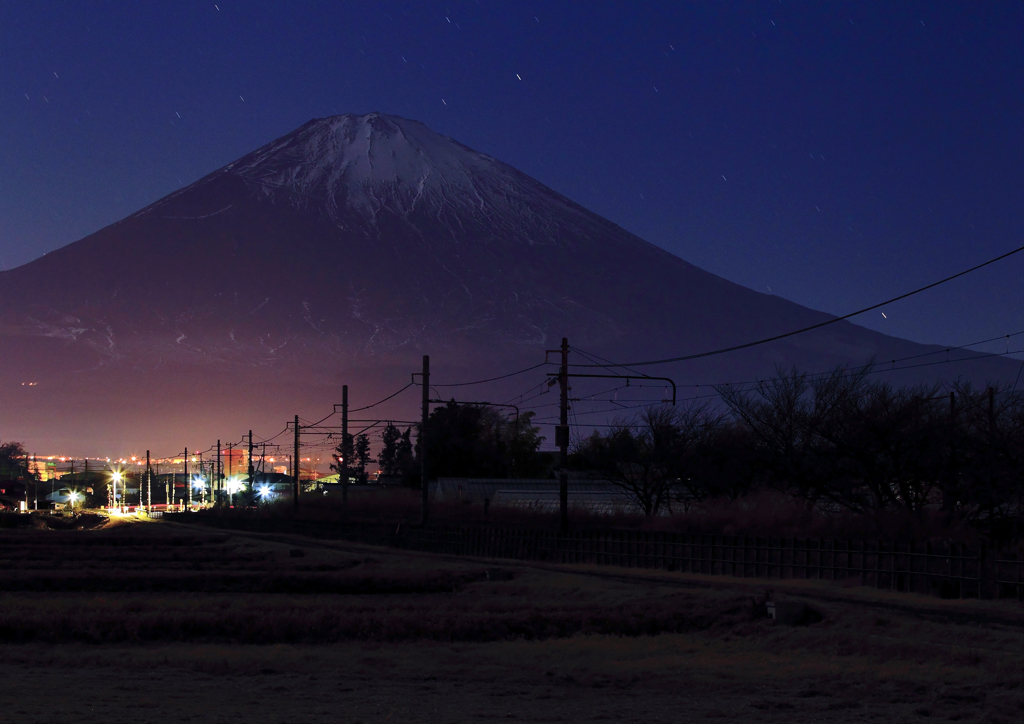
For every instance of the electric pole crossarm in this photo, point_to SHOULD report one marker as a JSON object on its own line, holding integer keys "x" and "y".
{"x": 627, "y": 377}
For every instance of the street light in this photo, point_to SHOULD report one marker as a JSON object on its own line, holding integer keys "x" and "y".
{"x": 115, "y": 478}
{"x": 199, "y": 483}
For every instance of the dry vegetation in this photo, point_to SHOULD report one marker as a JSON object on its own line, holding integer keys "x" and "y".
{"x": 152, "y": 621}
{"x": 762, "y": 513}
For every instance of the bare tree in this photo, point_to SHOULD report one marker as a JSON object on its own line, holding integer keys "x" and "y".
{"x": 885, "y": 447}
{"x": 783, "y": 416}
{"x": 647, "y": 457}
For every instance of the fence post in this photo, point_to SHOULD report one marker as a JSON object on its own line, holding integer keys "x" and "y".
{"x": 982, "y": 577}
{"x": 863, "y": 563}
{"x": 928, "y": 567}
{"x": 892, "y": 566}
{"x": 959, "y": 569}
{"x": 909, "y": 573}
{"x": 878, "y": 564}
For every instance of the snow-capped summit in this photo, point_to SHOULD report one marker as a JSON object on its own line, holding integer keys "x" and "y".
{"x": 366, "y": 162}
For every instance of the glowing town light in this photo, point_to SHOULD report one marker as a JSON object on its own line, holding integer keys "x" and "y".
{"x": 197, "y": 482}
{"x": 264, "y": 491}
{"x": 233, "y": 485}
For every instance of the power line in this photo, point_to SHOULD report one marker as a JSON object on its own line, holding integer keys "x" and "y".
{"x": 879, "y": 369}
{"x": 734, "y": 348}
{"x": 379, "y": 402}
{"x": 527, "y": 391}
{"x": 493, "y": 379}
{"x": 866, "y": 369}
{"x": 594, "y": 358}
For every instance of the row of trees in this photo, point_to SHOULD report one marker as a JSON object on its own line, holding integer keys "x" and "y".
{"x": 840, "y": 442}
{"x": 351, "y": 457}
{"x": 462, "y": 441}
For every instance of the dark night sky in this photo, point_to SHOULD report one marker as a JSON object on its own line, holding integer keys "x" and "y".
{"x": 837, "y": 154}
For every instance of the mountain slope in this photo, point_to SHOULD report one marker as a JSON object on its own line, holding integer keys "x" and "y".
{"x": 342, "y": 252}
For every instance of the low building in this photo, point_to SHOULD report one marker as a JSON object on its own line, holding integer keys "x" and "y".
{"x": 540, "y": 494}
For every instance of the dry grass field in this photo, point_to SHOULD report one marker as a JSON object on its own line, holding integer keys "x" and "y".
{"x": 149, "y": 621}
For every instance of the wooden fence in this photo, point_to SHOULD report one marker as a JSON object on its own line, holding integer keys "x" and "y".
{"x": 949, "y": 570}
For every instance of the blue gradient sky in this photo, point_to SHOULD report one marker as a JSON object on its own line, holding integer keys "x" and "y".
{"x": 837, "y": 154}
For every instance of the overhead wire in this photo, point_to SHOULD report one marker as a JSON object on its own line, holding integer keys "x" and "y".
{"x": 747, "y": 345}
{"x": 871, "y": 368}
{"x": 527, "y": 391}
{"x": 493, "y": 379}
{"x": 879, "y": 366}
{"x": 380, "y": 402}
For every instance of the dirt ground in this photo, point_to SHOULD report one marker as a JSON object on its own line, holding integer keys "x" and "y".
{"x": 153, "y": 622}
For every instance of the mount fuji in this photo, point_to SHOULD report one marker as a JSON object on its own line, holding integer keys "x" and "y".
{"x": 339, "y": 254}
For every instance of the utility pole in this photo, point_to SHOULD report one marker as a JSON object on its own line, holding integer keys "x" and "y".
{"x": 252, "y": 473}
{"x": 295, "y": 505}
{"x": 220, "y": 472}
{"x": 346, "y": 452}
{"x": 562, "y": 433}
{"x": 230, "y": 496}
{"x": 562, "y": 438}
{"x": 149, "y": 485}
{"x": 424, "y": 476}
{"x": 188, "y": 483}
